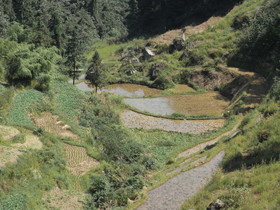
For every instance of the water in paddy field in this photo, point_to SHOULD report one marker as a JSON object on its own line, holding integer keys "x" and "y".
{"x": 131, "y": 90}
{"x": 160, "y": 105}
{"x": 211, "y": 103}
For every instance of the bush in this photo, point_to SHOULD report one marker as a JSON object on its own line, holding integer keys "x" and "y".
{"x": 118, "y": 144}
{"x": 275, "y": 89}
{"x": 163, "y": 83}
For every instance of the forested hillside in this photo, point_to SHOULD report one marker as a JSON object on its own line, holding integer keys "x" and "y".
{"x": 139, "y": 104}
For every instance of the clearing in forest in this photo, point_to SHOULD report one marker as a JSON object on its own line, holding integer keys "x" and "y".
{"x": 78, "y": 160}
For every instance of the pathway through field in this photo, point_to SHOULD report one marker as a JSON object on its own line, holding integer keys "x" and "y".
{"x": 172, "y": 194}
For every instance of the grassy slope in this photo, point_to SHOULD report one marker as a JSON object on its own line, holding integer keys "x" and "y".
{"x": 251, "y": 168}
{"x": 249, "y": 178}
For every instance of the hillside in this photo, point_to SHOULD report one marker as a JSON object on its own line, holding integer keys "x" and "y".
{"x": 175, "y": 104}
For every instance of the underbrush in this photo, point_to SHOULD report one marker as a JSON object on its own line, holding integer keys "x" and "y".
{"x": 24, "y": 182}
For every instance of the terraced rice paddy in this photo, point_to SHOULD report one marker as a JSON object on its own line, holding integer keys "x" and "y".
{"x": 135, "y": 120}
{"x": 211, "y": 103}
{"x": 131, "y": 90}
{"x": 77, "y": 159}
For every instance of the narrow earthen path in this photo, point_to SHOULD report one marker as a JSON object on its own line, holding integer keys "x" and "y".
{"x": 172, "y": 194}
{"x": 208, "y": 143}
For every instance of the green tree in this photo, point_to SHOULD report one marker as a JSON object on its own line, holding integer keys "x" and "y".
{"x": 25, "y": 64}
{"x": 96, "y": 73}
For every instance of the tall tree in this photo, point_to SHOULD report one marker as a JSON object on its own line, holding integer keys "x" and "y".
{"x": 96, "y": 73}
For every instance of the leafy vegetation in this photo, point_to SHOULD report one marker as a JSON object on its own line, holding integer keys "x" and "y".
{"x": 24, "y": 103}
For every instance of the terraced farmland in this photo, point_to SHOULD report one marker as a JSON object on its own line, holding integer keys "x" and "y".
{"x": 50, "y": 123}
{"x": 78, "y": 160}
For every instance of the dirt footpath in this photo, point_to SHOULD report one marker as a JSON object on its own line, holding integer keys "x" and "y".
{"x": 172, "y": 194}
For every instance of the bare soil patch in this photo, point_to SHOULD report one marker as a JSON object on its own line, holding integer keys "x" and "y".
{"x": 64, "y": 199}
{"x": 8, "y": 154}
{"x": 135, "y": 120}
{"x": 31, "y": 142}
{"x": 50, "y": 123}
{"x": 78, "y": 160}
{"x": 169, "y": 36}
{"x": 7, "y": 133}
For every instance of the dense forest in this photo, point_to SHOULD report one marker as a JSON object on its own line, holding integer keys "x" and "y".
{"x": 79, "y": 145}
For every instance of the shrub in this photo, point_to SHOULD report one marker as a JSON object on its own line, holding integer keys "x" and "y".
{"x": 163, "y": 83}
{"x": 14, "y": 201}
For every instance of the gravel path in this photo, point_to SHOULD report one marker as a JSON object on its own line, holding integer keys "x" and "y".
{"x": 198, "y": 161}
{"x": 172, "y": 194}
{"x": 208, "y": 143}
{"x": 135, "y": 120}
{"x": 84, "y": 87}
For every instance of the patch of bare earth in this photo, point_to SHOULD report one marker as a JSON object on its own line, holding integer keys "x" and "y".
{"x": 169, "y": 36}
{"x": 78, "y": 160}
{"x": 50, "y": 123}
{"x": 7, "y": 133}
{"x": 64, "y": 199}
{"x": 135, "y": 120}
{"x": 8, "y": 154}
{"x": 31, "y": 142}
